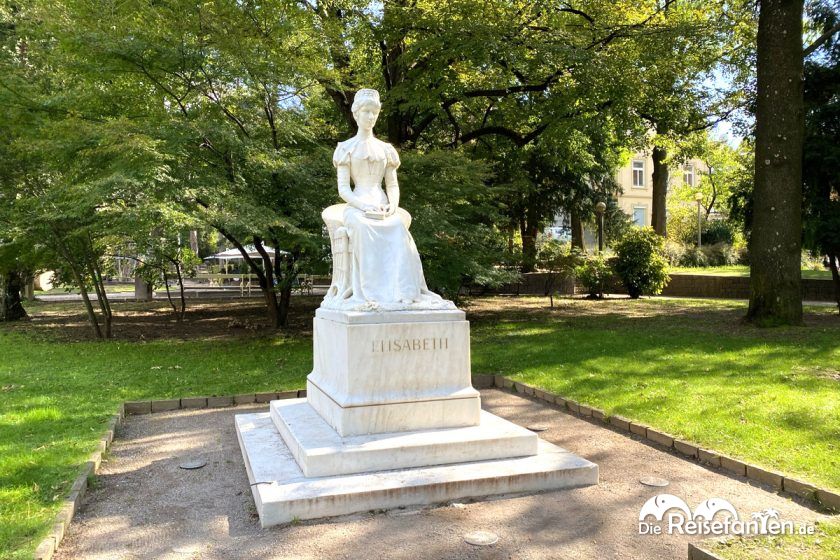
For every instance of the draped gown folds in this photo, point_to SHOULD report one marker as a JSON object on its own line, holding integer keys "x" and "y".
{"x": 385, "y": 269}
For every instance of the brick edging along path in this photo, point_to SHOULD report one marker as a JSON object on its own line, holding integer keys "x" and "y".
{"x": 780, "y": 482}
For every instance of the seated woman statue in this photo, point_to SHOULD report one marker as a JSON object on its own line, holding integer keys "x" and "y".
{"x": 383, "y": 270}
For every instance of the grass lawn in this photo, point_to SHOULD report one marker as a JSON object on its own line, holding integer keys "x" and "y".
{"x": 741, "y": 270}
{"x": 824, "y": 544}
{"x": 56, "y": 397}
{"x": 62, "y": 290}
{"x": 684, "y": 366}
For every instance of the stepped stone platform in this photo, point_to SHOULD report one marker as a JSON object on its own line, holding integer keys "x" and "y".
{"x": 391, "y": 419}
{"x": 282, "y": 493}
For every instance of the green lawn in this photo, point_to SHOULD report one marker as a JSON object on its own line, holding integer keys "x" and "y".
{"x": 55, "y": 399}
{"x": 824, "y": 544}
{"x": 740, "y": 270}
{"x": 684, "y": 366}
{"x": 687, "y": 367}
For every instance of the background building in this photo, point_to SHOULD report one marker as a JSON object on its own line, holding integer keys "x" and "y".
{"x": 636, "y": 182}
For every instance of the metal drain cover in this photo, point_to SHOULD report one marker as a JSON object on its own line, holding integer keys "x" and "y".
{"x": 654, "y": 481}
{"x": 192, "y": 464}
{"x": 481, "y": 538}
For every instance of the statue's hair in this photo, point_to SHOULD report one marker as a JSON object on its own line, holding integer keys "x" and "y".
{"x": 365, "y": 96}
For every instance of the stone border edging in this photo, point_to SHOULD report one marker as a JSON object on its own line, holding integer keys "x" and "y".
{"x": 47, "y": 547}
{"x": 697, "y": 553}
{"x": 778, "y": 481}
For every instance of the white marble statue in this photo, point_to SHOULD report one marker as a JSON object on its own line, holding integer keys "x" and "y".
{"x": 376, "y": 266}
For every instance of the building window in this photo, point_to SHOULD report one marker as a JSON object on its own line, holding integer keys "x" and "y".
{"x": 688, "y": 175}
{"x": 639, "y": 173}
{"x": 640, "y": 216}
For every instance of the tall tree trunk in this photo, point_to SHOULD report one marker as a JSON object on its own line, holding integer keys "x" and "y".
{"x": 834, "y": 263}
{"x": 775, "y": 241}
{"x": 266, "y": 284}
{"x": 101, "y": 296}
{"x": 659, "y": 218}
{"x": 11, "y": 304}
{"x": 91, "y": 313}
{"x": 529, "y": 233}
{"x": 169, "y": 294}
{"x": 285, "y": 270}
{"x": 181, "y": 290}
{"x": 78, "y": 277}
{"x": 577, "y": 230}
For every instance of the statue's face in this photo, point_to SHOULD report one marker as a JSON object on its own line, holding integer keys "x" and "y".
{"x": 366, "y": 116}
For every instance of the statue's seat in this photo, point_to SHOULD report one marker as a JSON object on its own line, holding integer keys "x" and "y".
{"x": 333, "y": 216}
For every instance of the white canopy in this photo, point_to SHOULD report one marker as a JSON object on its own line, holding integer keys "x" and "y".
{"x": 235, "y": 255}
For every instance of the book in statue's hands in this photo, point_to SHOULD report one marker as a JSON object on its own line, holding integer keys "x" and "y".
{"x": 375, "y": 215}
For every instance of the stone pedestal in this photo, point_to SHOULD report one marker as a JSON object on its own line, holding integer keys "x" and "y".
{"x": 392, "y": 372}
{"x": 391, "y": 419}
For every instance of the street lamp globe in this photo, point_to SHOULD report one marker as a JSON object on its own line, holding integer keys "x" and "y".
{"x": 600, "y": 208}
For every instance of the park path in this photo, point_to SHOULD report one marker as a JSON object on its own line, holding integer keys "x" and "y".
{"x": 144, "y": 506}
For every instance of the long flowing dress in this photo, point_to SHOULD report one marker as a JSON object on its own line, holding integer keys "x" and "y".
{"x": 386, "y": 271}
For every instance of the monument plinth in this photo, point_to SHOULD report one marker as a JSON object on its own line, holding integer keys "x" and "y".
{"x": 392, "y": 371}
{"x": 391, "y": 418}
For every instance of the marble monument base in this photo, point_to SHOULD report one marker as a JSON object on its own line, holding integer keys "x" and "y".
{"x": 392, "y": 371}
{"x": 282, "y": 493}
{"x": 320, "y": 451}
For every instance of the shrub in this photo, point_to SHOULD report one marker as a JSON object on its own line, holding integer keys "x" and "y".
{"x": 694, "y": 257}
{"x": 717, "y": 231}
{"x": 557, "y": 260}
{"x": 595, "y": 275}
{"x": 720, "y": 254}
{"x": 640, "y": 262}
{"x": 675, "y": 252}
{"x": 682, "y": 223}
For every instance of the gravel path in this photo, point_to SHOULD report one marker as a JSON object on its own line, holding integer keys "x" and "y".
{"x": 144, "y": 506}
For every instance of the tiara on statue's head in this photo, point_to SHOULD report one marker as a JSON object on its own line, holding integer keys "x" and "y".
{"x": 363, "y": 96}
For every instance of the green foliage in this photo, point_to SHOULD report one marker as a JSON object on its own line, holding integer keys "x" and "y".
{"x": 557, "y": 260}
{"x": 596, "y": 276}
{"x": 717, "y": 231}
{"x": 453, "y": 212}
{"x": 556, "y": 256}
{"x": 719, "y": 254}
{"x": 640, "y": 262}
{"x": 682, "y": 222}
{"x": 616, "y": 222}
{"x": 821, "y": 202}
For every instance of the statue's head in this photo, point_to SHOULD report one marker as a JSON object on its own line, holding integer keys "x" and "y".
{"x": 366, "y": 108}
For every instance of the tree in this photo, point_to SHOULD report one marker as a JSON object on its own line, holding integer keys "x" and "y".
{"x": 677, "y": 104}
{"x": 67, "y": 171}
{"x": 775, "y": 240}
{"x": 821, "y": 214}
{"x": 525, "y": 74}
{"x": 776, "y": 233}
{"x": 726, "y": 169}
{"x": 219, "y": 87}
{"x": 557, "y": 260}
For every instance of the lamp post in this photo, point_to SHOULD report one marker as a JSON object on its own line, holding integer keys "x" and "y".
{"x": 600, "y": 208}
{"x": 698, "y": 196}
